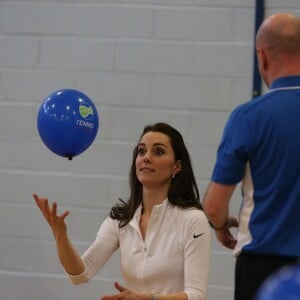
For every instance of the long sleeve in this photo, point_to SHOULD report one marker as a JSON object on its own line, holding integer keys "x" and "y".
{"x": 95, "y": 257}
{"x": 197, "y": 253}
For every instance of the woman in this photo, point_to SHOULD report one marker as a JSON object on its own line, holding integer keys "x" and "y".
{"x": 161, "y": 230}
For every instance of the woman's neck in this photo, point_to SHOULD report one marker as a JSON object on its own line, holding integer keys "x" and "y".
{"x": 153, "y": 197}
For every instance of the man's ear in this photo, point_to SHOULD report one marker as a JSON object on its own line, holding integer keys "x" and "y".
{"x": 262, "y": 58}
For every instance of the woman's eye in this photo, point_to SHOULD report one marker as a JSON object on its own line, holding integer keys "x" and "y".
{"x": 141, "y": 151}
{"x": 159, "y": 151}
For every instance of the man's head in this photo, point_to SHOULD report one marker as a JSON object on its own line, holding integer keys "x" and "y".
{"x": 278, "y": 47}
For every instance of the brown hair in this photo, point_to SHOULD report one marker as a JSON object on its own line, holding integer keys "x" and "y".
{"x": 183, "y": 191}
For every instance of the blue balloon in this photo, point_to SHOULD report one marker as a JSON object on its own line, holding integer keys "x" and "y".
{"x": 67, "y": 122}
{"x": 282, "y": 285}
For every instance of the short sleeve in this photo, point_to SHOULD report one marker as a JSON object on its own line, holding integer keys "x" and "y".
{"x": 233, "y": 151}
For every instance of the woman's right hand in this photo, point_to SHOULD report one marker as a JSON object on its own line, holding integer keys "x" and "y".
{"x": 56, "y": 222}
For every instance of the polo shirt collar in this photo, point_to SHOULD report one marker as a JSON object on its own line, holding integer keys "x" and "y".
{"x": 288, "y": 81}
{"x": 157, "y": 214}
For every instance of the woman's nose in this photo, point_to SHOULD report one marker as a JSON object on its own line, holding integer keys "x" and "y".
{"x": 147, "y": 157}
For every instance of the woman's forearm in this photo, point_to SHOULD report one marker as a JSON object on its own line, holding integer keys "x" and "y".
{"x": 68, "y": 256}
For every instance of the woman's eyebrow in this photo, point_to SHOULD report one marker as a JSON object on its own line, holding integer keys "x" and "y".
{"x": 160, "y": 144}
{"x": 155, "y": 144}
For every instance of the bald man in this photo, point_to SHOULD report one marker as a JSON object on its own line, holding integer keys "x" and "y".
{"x": 260, "y": 149}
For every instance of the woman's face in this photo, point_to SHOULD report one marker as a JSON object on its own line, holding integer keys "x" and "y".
{"x": 155, "y": 162}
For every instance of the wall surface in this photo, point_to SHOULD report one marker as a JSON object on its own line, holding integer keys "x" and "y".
{"x": 185, "y": 62}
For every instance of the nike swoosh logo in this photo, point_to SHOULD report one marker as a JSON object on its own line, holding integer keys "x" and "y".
{"x": 197, "y": 235}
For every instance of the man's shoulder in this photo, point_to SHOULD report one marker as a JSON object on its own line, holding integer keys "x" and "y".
{"x": 253, "y": 105}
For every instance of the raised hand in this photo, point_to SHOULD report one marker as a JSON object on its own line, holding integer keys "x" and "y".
{"x": 56, "y": 222}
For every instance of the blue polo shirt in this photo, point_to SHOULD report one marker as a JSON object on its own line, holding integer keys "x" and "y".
{"x": 260, "y": 147}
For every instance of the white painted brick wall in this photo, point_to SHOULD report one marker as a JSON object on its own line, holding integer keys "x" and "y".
{"x": 186, "y": 62}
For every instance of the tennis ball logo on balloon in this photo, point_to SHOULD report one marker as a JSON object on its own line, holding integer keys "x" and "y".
{"x": 67, "y": 122}
{"x": 85, "y": 112}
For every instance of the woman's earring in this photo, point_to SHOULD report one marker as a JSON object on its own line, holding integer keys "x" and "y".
{"x": 173, "y": 176}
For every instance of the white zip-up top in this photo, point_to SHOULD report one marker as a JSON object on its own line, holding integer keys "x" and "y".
{"x": 174, "y": 257}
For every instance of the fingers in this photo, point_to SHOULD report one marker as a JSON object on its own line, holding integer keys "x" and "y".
{"x": 37, "y": 200}
{"x": 113, "y": 297}
{"x": 64, "y": 215}
{"x": 54, "y": 208}
{"x": 46, "y": 209}
{"x": 226, "y": 238}
{"x": 124, "y": 293}
{"x": 119, "y": 287}
{"x": 50, "y": 214}
{"x": 42, "y": 204}
{"x": 230, "y": 243}
{"x": 233, "y": 222}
